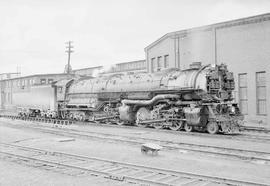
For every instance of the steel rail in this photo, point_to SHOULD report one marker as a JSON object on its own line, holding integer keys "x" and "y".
{"x": 240, "y": 137}
{"x": 123, "y": 176}
{"x": 241, "y": 154}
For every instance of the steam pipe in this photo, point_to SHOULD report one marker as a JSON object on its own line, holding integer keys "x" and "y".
{"x": 150, "y": 102}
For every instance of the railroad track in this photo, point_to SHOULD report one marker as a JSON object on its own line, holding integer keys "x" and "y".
{"x": 257, "y": 129}
{"x": 77, "y": 165}
{"x": 233, "y": 153}
{"x": 239, "y": 137}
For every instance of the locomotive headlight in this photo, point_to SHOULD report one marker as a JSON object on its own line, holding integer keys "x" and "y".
{"x": 232, "y": 109}
{"x": 213, "y": 65}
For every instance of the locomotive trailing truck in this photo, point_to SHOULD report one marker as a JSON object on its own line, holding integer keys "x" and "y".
{"x": 198, "y": 98}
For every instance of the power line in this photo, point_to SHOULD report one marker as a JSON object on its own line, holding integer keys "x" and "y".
{"x": 69, "y": 51}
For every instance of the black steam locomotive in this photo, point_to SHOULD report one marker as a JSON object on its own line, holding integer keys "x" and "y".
{"x": 198, "y": 98}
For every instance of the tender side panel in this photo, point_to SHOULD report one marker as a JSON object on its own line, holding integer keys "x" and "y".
{"x": 40, "y": 97}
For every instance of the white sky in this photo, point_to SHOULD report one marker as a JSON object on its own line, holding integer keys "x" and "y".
{"x": 33, "y": 32}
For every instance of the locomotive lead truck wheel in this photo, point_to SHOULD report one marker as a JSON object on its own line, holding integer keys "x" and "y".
{"x": 188, "y": 128}
{"x": 212, "y": 127}
{"x": 176, "y": 125}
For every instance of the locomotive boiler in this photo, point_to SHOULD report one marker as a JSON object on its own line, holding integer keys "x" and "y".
{"x": 198, "y": 98}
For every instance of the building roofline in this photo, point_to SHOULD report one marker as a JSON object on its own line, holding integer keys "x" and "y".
{"x": 35, "y": 75}
{"x": 223, "y": 24}
{"x": 10, "y": 73}
{"x": 88, "y": 68}
{"x": 130, "y": 62}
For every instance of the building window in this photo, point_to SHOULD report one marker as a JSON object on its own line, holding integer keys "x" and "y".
{"x": 159, "y": 65}
{"x": 243, "y": 99}
{"x": 166, "y": 61}
{"x": 42, "y": 81}
{"x": 261, "y": 93}
{"x": 153, "y": 63}
{"x": 9, "y": 98}
{"x": 50, "y": 81}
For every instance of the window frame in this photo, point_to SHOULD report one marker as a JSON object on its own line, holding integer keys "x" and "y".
{"x": 166, "y": 62}
{"x": 159, "y": 64}
{"x": 257, "y": 94}
{"x": 239, "y": 93}
{"x": 153, "y": 65}
{"x": 50, "y": 80}
{"x": 41, "y": 81}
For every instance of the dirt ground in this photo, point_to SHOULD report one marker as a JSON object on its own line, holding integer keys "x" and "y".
{"x": 16, "y": 174}
{"x": 13, "y": 174}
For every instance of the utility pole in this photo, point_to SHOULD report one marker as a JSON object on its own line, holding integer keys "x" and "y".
{"x": 215, "y": 37}
{"x": 18, "y": 71}
{"x": 69, "y": 51}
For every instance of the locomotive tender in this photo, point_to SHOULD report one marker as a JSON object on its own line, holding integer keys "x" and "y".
{"x": 198, "y": 98}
